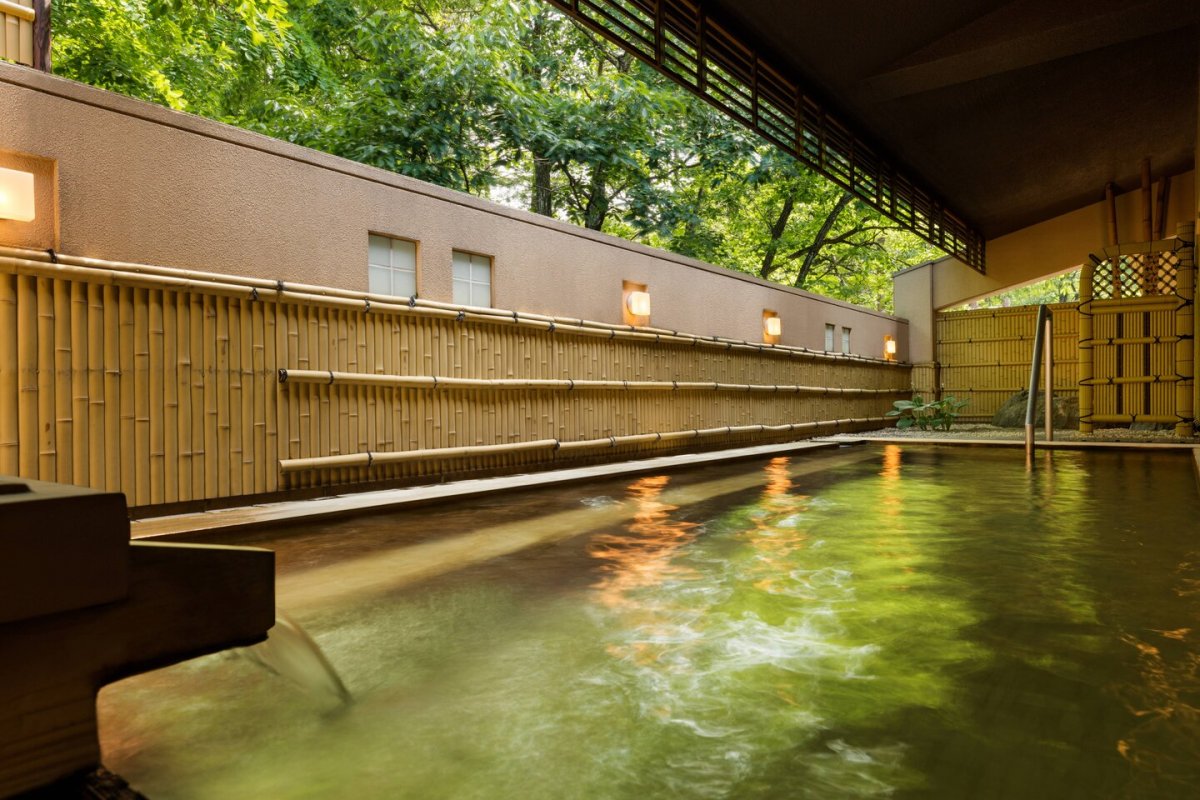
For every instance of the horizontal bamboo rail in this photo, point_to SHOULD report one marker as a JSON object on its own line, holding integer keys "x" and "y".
{"x": 330, "y": 378}
{"x": 20, "y": 12}
{"x": 370, "y": 459}
{"x": 164, "y": 384}
{"x": 1129, "y": 380}
{"x": 1118, "y": 419}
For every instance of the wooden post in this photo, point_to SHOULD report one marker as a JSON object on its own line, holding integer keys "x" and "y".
{"x": 1185, "y": 347}
{"x": 41, "y": 35}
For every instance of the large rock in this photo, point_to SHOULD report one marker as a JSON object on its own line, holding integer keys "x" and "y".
{"x": 1012, "y": 413}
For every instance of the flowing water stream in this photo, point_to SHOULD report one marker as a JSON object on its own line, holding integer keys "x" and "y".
{"x": 871, "y": 623}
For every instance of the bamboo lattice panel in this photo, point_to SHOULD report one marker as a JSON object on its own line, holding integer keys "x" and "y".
{"x": 984, "y": 355}
{"x": 171, "y": 394}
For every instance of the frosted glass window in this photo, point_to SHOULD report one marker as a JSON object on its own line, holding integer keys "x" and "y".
{"x": 830, "y": 331}
{"x": 472, "y": 279}
{"x": 391, "y": 266}
{"x": 846, "y": 341}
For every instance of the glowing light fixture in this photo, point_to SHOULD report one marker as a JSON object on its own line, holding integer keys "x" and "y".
{"x": 16, "y": 195}
{"x": 889, "y": 348}
{"x": 638, "y": 304}
{"x": 772, "y": 326}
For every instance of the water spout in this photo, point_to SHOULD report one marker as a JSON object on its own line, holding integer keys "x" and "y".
{"x": 292, "y": 654}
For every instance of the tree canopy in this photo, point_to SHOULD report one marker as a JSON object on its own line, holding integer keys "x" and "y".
{"x": 505, "y": 99}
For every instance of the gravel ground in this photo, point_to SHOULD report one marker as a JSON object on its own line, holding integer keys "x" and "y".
{"x": 979, "y": 430}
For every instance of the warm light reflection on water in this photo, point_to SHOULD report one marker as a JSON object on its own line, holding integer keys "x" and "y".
{"x": 871, "y": 623}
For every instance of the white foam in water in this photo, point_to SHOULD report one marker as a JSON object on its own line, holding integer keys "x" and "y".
{"x": 602, "y": 501}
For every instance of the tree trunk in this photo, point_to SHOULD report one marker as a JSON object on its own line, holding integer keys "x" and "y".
{"x": 543, "y": 199}
{"x": 814, "y": 249}
{"x": 597, "y": 203}
{"x": 785, "y": 214}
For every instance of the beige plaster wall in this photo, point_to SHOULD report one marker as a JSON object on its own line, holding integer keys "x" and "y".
{"x": 141, "y": 183}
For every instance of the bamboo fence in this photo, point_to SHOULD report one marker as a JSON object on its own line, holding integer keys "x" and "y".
{"x": 1137, "y": 357}
{"x": 983, "y": 355}
{"x": 16, "y": 31}
{"x": 181, "y": 387}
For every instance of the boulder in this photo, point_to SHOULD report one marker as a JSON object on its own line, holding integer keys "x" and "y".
{"x": 1012, "y": 413}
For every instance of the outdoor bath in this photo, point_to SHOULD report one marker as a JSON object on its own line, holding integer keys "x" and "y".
{"x": 925, "y": 622}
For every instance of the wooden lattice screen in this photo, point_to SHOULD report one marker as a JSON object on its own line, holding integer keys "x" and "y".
{"x": 1136, "y": 335}
{"x": 680, "y": 40}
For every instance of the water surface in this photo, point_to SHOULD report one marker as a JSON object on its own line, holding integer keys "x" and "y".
{"x": 871, "y": 623}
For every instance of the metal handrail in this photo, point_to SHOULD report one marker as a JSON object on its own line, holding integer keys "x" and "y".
{"x": 1043, "y": 338}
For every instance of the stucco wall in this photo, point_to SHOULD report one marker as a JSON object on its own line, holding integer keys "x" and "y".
{"x": 141, "y": 183}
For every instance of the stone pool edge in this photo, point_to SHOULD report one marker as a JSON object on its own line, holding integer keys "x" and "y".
{"x": 266, "y": 514}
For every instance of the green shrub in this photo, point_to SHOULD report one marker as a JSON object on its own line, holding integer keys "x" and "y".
{"x": 935, "y": 415}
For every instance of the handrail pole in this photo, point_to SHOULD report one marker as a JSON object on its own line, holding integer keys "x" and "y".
{"x": 1035, "y": 368}
{"x": 1048, "y": 376}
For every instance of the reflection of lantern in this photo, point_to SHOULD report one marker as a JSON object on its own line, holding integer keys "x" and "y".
{"x": 773, "y": 326}
{"x": 16, "y": 195}
{"x": 638, "y": 304}
{"x": 889, "y": 348}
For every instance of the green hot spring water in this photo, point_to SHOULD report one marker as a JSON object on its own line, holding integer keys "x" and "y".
{"x": 871, "y": 622}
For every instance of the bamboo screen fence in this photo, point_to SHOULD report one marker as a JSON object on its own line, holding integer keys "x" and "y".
{"x": 16, "y": 31}
{"x": 1137, "y": 354}
{"x": 176, "y": 386}
{"x": 983, "y": 356}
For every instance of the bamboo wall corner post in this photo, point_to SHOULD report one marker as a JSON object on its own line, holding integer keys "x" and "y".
{"x": 1187, "y": 327}
{"x": 1086, "y": 350}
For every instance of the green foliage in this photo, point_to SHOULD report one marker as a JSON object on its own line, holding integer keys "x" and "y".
{"x": 935, "y": 414}
{"x": 1058, "y": 289}
{"x": 503, "y": 99}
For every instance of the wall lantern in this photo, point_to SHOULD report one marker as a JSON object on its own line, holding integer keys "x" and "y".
{"x": 16, "y": 195}
{"x": 638, "y": 304}
{"x": 772, "y": 326}
{"x": 889, "y": 348}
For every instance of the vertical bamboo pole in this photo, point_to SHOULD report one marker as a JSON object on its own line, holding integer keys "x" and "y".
{"x": 237, "y": 434}
{"x": 1110, "y": 201}
{"x": 129, "y": 453}
{"x": 213, "y": 454}
{"x": 79, "y": 384}
{"x": 96, "y": 400}
{"x": 1086, "y": 345}
{"x": 46, "y": 383}
{"x": 10, "y": 425}
{"x": 141, "y": 397}
{"x": 169, "y": 415}
{"x": 277, "y": 399}
{"x": 1185, "y": 327}
{"x": 221, "y": 358}
{"x": 198, "y": 330}
{"x": 249, "y": 432}
{"x": 261, "y": 340}
{"x": 156, "y": 393}
{"x": 184, "y": 379}
{"x": 114, "y": 441}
